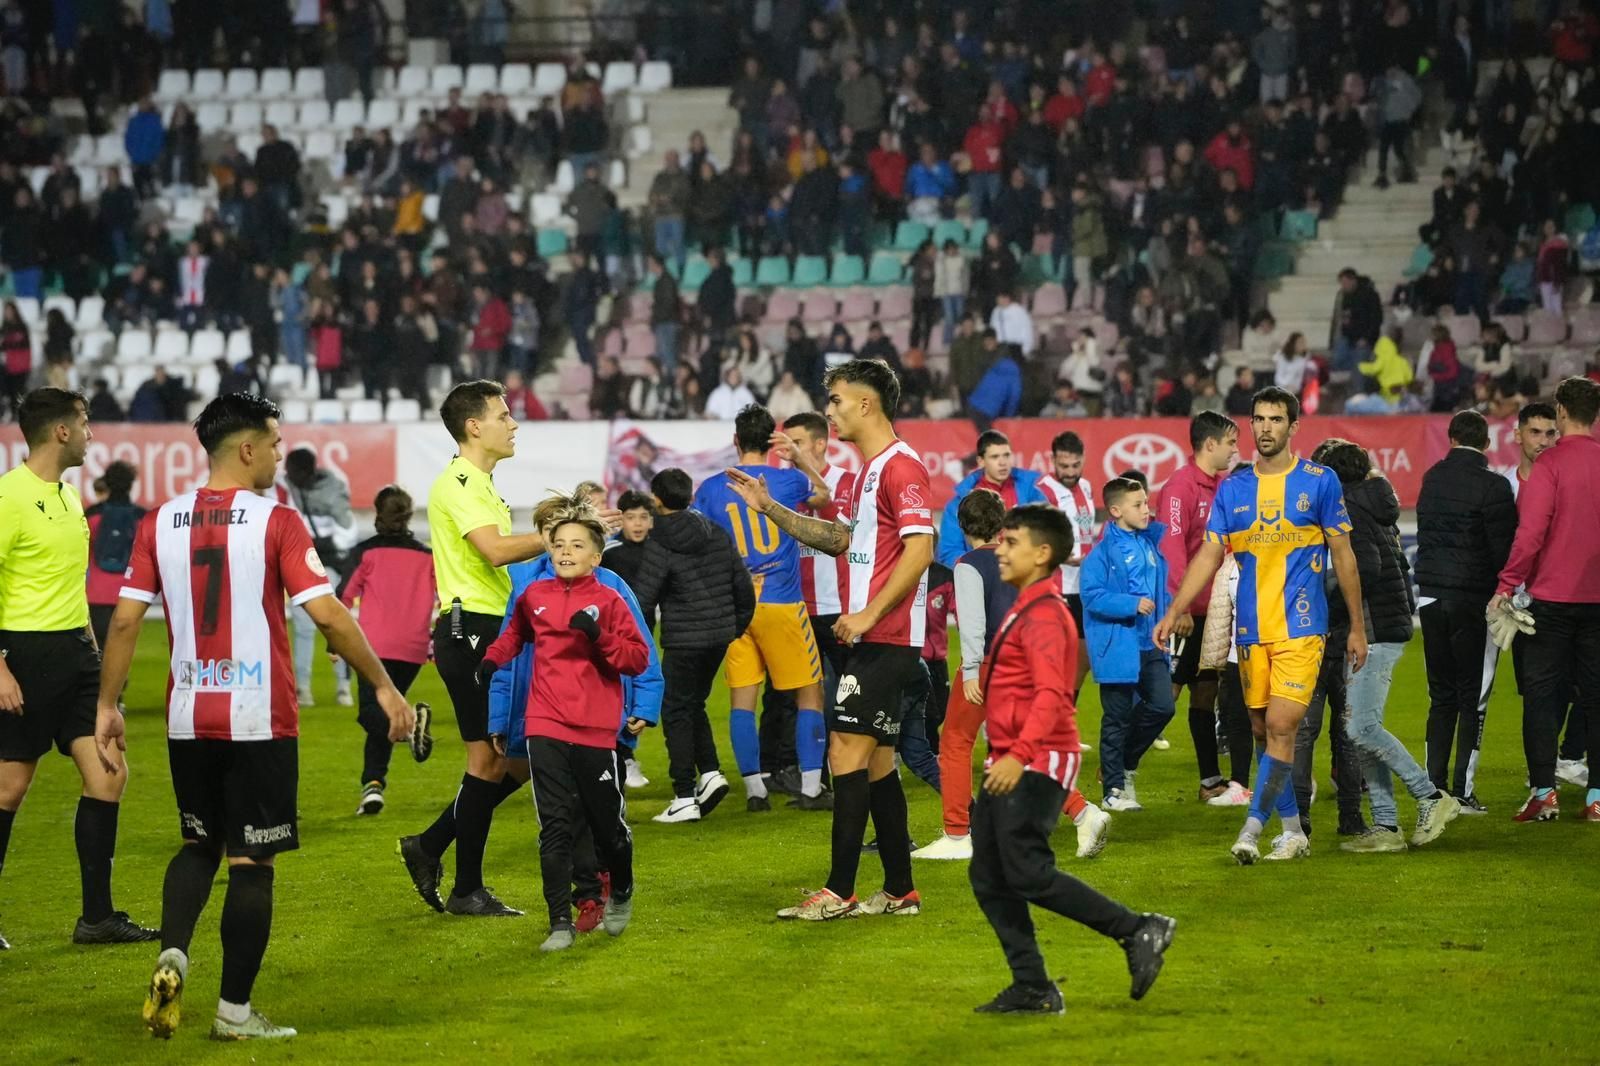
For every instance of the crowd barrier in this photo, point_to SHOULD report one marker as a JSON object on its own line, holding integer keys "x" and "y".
{"x": 625, "y": 454}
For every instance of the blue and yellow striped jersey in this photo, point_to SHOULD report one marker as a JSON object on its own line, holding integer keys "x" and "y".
{"x": 771, "y": 554}
{"x": 1278, "y": 527}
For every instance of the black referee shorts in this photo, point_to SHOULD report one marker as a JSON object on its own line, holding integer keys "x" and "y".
{"x": 237, "y": 795}
{"x": 458, "y": 660}
{"x": 1075, "y": 607}
{"x": 872, "y": 680}
{"x": 59, "y": 674}
{"x": 1186, "y": 665}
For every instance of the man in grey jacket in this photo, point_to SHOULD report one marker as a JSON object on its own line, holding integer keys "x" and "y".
{"x": 1398, "y": 99}
{"x": 1274, "y": 51}
{"x": 590, "y": 206}
{"x": 323, "y": 500}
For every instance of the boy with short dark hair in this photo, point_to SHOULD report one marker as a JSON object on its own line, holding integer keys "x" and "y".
{"x": 1033, "y": 761}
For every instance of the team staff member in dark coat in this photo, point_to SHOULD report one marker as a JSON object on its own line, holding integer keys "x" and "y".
{"x": 692, "y": 571}
{"x": 1466, "y": 518}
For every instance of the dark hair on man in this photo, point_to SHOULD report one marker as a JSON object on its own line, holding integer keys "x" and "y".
{"x": 875, "y": 374}
{"x": 300, "y": 464}
{"x": 393, "y": 509}
{"x": 988, "y": 439}
{"x": 810, "y": 421}
{"x": 1045, "y": 525}
{"x": 1536, "y": 409}
{"x": 633, "y": 499}
{"x": 1278, "y": 398}
{"x": 753, "y": 428}
{"x": 1209, "y": 425}
{"x": 1119, "y": 489}
{"x": 234, "y": 413}
{"x": 1137, "y": 476}
{"x": 119, "y": 478}
{"x": 1345, "y": 458}
{"x": 1469, "y": 429}
{"x": 44, "y": 409}
{"x": 674, "y": 488}
{"x": 1581, "y": 398}
{"x": 980, "y": 514}
{"x": 1067, "y": 442}
{"x": 467, "y": 400}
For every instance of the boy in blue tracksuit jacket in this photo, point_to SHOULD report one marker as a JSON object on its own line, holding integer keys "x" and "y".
{"x": 997, "y": 472}
{"x": 1124, "y": 590}
{"x": 508, "y": 699}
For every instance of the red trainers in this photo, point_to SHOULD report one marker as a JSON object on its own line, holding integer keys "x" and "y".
{"x": 589, "y": 914}
{"x": 1539, "y": 810}
{"x": 1591, "y": 813}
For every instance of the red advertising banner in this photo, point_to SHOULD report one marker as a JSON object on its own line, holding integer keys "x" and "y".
{"x": 170, "y": 461}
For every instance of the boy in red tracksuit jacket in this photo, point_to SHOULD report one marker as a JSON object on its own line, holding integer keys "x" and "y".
{"x": 1033, "y": 761}
{"x": 587, "y": 639}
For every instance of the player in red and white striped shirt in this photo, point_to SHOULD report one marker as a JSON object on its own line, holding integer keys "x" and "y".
{"x": 885, "y": 531}
{"x": 223, "y": 558}
{"x": 1071, "y": 494}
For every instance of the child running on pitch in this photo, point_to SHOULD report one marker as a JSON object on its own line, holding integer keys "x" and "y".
{"x": 1033, "y": 761}
{"x": 587, "y": 640}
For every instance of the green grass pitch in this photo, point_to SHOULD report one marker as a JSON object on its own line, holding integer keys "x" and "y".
{"x": 1476, "y": 948}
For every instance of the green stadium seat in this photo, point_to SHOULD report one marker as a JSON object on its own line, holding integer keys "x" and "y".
{"x": 1299, "y": 226}
{"x": 949, "y": 230}
{"x": 1276, "y": 260}
{"x": 744, "y": 275}
{"x": 1036, "y": 270}
{"x": 772, "y": 270}
{"x": 552, "y": 242}
{"x": 909, "y": 235}
{"x": 809, "y": 271}
{"x": 976, "y": 233}
{"x": 695, "y": 272}
{"x": 1421, "y": 260}
{"x": 886, "y": 270}
{"x": 848, "y": 270}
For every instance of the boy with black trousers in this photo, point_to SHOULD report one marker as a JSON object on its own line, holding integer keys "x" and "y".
{"x": 1033, "y": 761}
{"x": 587, "y": 640}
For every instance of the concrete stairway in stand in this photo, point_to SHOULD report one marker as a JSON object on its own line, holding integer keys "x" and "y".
{"x": 671, "y": 117}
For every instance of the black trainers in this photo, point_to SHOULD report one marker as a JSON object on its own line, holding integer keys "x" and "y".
{"x": 371, "y": 798}
{"x": 1026, "y": 999}
{"x": 425, "y": 870}
{"x": 756, "y": 804}
{"x": 481, "y": 904}
{"x": 117, "y": 929}
{"x": 786, "y": 780}
{"x": 422, "y": 733}
{"x": 1471, "y": 804}
{"x": 1146, "y": 950}
{"x": 822, "y": 801}
{"x": 871, "y": 846}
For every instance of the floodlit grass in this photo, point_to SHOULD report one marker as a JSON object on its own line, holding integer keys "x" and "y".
{"x": 1477, "y": 948}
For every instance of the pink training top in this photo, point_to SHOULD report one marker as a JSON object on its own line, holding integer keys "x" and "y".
{"x": 392, "y": 576}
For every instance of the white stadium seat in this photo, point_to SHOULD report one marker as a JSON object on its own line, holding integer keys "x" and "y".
{"x": 294, "y": 412}
{"x": 619, "y": 77}
{"x": 348, "y": 114}
{"x": 249, "y": 143}
{"x": 400, "y": 411}
{"x": 564, "y": 181}
{"x": 239, "y": 347}
{"x": 29, "y": 308}
{"x": 133, "y": 346}
{"x": 545, "y": 208}
{"x": 132, "y": 377}
{"x": 96, "y": 344}
{"x": 245, "y": 117}
{"x": 173, "y": 86}
{"x": 338, "y": 209}
{"x": 383, "y": 115}
{"x": 411, "y": 114}
{"x": 444, "y": 79}
{"x": 309, "y": 84}
{"x": 91, "y": 313}
{"x": 634, "y": 109}
{"x": 109, "y": 150}
{"x": 320, "y": 144}
{"x": 212, "y": 115}
{"x": 276, "y": 83}
{"x": 208, "y": 344}
{"x": 638, "y": 142}
{"x": 413, "y": 82}
{"x": 65, "y": 304}
{"x": 315, "y": 115}
{"x": 207, "y": 380}
{"x": 481, "y": 78}
{"x": 208, "y": 84}
{"x": 549, "y": 79}
{"x": 172, "y": 346}
{"x": 430, "y": 207}
{"x": 327, "y": 411}
{"x": 282, "y": 114}
{"x": 516, "y": 78}
{"x": 654, "y": 77}
{"x": 617, "y": 174}
{"x": 241, "y": 84}
{"x": 366, "y": 411}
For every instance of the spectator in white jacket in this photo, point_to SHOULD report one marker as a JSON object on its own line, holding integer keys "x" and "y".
{"x": 950, "y": 277}
{"x": 730, "y": 397}
{"x": 1011, "y": 323}
{"x": 1082, "y": 370}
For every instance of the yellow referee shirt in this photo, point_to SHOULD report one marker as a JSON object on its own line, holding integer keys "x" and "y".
{"x": 44, "y": 555}
{"x": 462, "y": 499}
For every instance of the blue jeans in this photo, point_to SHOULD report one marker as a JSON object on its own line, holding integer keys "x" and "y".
{"x": 1133, "y": 716}
{"x": 669, "y": 241}
{"x": 1347, "y": 353}
{"x": 983, "y": 189}
{"x": 293, "y": 341}
{"x": 914, "y": 748}
{"x": 305, "y": 647}
{"x": 1381, "y": 753}
{"x": 667, "y": 345}
{"x": 953, "y": 306}
{"x": 582, "y": 329}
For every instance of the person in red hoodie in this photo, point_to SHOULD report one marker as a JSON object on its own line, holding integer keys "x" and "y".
{"x": 888, "y": 165}
{"x": 491, "y": 324}
{"x": 1033, "y": 761}
{"x": 587, "y": 639}
{"x": 982, "y": 145}
{"x": 1231, "y": 150}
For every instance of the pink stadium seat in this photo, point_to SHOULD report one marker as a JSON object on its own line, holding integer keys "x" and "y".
{"x": 1516, "y": 327}
{"x": 611, "y": 342}
{"x": 782, "y": 305}
{"x": 857, "y": 303}
{"x": 637, "y": 339}
{"x": 894, "y": 302}
{"x": 899, "y": 332}
{"x": 1464, "y": 329}
{"x": 576, "y": 377}
{"x": 639, "y": 305}
{"x": 1585, "y": 323}
{"x": 1546, "y": 329}
{"x": 821, "y": 307}
{"x": 1049, "y": 299}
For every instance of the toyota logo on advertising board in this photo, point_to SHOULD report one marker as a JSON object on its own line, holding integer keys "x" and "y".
{"x": 1159, "y": 457}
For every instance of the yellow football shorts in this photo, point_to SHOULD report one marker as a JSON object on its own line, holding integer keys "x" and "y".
{"x": 1284, "y": 669}
{"x": 780, "y": 646}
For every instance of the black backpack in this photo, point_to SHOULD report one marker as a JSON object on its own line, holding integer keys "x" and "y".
{"x": 113, "y": 541}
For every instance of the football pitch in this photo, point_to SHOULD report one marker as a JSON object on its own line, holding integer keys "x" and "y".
{"x": 1477, "y": 948}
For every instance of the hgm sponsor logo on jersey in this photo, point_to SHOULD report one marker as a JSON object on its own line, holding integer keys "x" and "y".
{"x": 219, "y": 675}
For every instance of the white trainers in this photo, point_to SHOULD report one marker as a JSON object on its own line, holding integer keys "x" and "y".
{"x": 1161, "y": 744}
{"x": 1129, "y": 785}
{"x": 1432, "y": 816}
{"x": 680, "y": 810}
{"x": 1246, "y": 850}
{"x": 1093, "y": 831}
{"x": 1118, "y": 799}
{"x": 304, "y": 697}
{"x": 635, "y": 778}
{"x": 946, "y": 847}
{"x": 822, "y": 906}
{"x": 710, "y": 791}
{"x": 255, "y": 1027}
{"x": 1289, "y": 846}
{"x": 1084, "y": 745}
{"x": 344, "y": 699}
{"x": 1236, "y": 795}
{"x": 1573, "y": 772}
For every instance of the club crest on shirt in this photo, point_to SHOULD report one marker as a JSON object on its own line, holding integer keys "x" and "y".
{"x": 314, "y": 563}
{"x": 1304, "y": 503}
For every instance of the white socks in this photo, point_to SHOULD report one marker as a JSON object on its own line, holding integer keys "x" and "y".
{"x": 811, "y": 782}
{"x": 236, "y": 1013}
{"x": 754, "y": 787}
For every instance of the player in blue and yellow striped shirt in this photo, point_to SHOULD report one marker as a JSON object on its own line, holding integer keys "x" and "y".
{"x": 1284, "y": 520}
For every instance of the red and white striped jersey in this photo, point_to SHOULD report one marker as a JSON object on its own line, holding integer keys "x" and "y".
{"x": 224, "y": 560}
{"x": 822, "y": 576}
{"x": 1077, "y": 503}
{"x": 889, "y": 499}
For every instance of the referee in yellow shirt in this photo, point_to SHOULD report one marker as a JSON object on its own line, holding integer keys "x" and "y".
{"x": 470, "y": 530}
{"x": 49, "y": 665}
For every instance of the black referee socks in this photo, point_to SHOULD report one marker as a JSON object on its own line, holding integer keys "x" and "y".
{"x": 95, "y": 832}
{"x": 437, "y": 838}
{"x": 246, "y": 925}
{"x": 894, "y": 838}
{"x": 852, "y": 802}
{"x": 6, "y": 818}
{"x": 475, "y": 806}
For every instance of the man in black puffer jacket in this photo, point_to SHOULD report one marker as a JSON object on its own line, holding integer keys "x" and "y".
{"x": 1466, "y": 520}
{"x": 691, "y": 569}
{"x": 1387, "y": 606}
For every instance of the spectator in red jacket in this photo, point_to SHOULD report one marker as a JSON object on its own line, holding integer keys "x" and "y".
{"x": 1231, "y": 150}
{"x": 1100, "y": 82}
{"x": 1065, "y": 104}
{"x": 888, "y": 165}
{"x": 982, "y": 146}
{"x": 522, "y": 400}
{"x": 1572, "y": 37}
{"x": 1444, "y": 367}
{"x": 587, "y": 639}
{"x": 1033, "y": 761}
{"x": 491, "y": 324}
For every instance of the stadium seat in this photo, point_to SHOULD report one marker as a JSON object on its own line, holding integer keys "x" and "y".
{"x": 95, "y": 345}
{"x": 206, "y": 381}
{"x": 294, "y": 412}
{"x": 1463, "y": 329}
{"x": 249, "y": 143}
{"x": 402, "y": 411}
{"x": 1516, "y": 327}
{"x": 209, "y": 84}
{"x": 28, "y": 306}
{"x": 172, "y": 346}
{"x": 413, "y": 81}
{"x": 65, "y": 304}
{"x": 315, "y": 115}
{"x": 133, "y": 346}
{"x": 173, "y": 86}
{"x": 365, "y": 411}
{"x": 1049, "y": 300}
{"x": 620, "y": 76}
{"x": 564, "y": 178}
{"x": 549, "y": 79}
{"x": 847, "y": 270}
{"x": 383, "y": 115}
{"x": 212, "y": 114}
{"x": 245, "y": 116}
{"x": 639, "y": 142}
{"x": 552, "y": 242}
{"x": 782, "y": 306}
{"x": 91, "y": 313}
{"x": 545, "y": 208}
{"x": 324, "y": 411}
{"x": 858, "y": 303}
{"x": 1546, "y": 329}
{"x": 617, "y": 174}
{"x": 208, "y": 344}
{"x": 516, "y": 79}
{"x": 411, "y": 112}
{"x": 430, "y": 207}
{"x": 894, "y": 302}
{"x": 886, "y": 270}
{"x": 949, "y": 229}
{"x": 1299, "y": 226}
{"x": 1585, "y": 323}
{"x": 820, "y": 307}
{"x": 445, "y": 78}
{"x": 1421, "y": 259}
{"x": 286, "y": 379}
{"x": 283, "y": 114}
{"x": 909, "y": 235}
{"x": 481, "y": 78}
{"x": 654, "y": 76}
{"x": 276, "y": 83}
{"x": 309, "y": 84}
{"x": 772, "y": 270}
{"x": 809, "y": 271}
{"x": 635, "y": 110}
{"x": 131, "y": 377}
{"x": 743, "y": 272}
{"x": 1275, "y": 260}
{"x": 1580, "y": 220}
{"x": 348, "y": 114}
{"x": 241, "y": 84}
{"x": 320, "y": 144}
{"x": 611, "y": 343}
